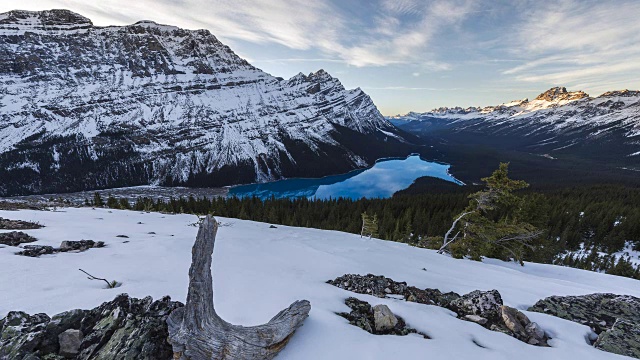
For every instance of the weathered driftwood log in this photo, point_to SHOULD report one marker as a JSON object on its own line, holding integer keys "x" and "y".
{"x": 196, "y": 332}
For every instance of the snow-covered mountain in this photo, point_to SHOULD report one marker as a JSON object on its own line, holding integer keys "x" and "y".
{"x": 557, "y": 122}
{"x": 86, "y": 107}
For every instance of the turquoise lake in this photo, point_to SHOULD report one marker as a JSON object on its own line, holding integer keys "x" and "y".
{"x": 379, "y": 181}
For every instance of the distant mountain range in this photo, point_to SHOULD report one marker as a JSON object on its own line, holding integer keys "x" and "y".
{"x": 86, "y": 107}
{"x": 558, "y": 124}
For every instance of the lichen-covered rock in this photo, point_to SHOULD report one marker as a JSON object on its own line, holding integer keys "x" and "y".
{"x": 482, "y": 303}
{"x": 599, "y": 311}
{"x": 429, "y": 296}
{"x": 363, "y": 315}
{"x": 615, "y": 318}
{"x": 623, "y": 338}
{"x": 15, "y": 238}
{"x": 383, "y": 318}
{"x": 124, "y": 328}
{"x": 20, "y": 334}
{"x": 370, "y": 284}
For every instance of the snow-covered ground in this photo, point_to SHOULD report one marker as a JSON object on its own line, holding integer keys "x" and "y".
{"x": 258, "y": 271}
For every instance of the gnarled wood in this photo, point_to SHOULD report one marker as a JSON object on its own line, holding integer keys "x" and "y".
{"x": 196, "y": 332}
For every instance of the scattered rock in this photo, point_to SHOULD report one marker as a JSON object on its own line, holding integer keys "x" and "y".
{"x": 482, "y": 307}
{"x": 124, "y": 328}
{"x": 378, "y": 320}
{"x": 7, "y": 224}
{"x": 65, "y": 246}
{"x": 36, "y": 250}
{"x": 383, "y": 318}
{"x": 615, "y": 318}
{"x": 70, "y": 341}
{"x": 15, "y": 238}
{"x": 381, "y": 286}
{"x": 623, "y": 338}
{"x": 80, "y": 245}
{"x": 151, "y": 233}
{"x": 122, "y": 236}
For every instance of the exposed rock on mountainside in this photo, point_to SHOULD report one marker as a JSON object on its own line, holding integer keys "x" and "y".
{"x": 85, "y": 107}
{"x": 556, "y": 124}
{"x": 482, "y": 307}
{"x": 615, "y": 318}
{"x": 124, "y": 328}
{"x": 377, "y": 320}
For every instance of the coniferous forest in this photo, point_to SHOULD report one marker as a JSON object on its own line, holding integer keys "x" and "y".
{"x": 583, "y": 225}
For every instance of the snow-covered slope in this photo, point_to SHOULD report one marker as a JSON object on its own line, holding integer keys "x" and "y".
{"x": 151, "y": 103}
{"x": 557, "y": 121}
{"x": 258, "y": 271}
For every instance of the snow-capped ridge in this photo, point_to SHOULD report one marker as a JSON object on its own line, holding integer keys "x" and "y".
{"x": 20, "y": 21}
{"x": 166, "y": 105}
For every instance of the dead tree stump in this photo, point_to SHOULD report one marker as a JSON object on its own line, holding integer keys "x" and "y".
{"x": 196, "y": 332}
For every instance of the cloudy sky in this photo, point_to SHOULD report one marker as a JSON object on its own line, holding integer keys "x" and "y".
{"x": 411, "y": 54}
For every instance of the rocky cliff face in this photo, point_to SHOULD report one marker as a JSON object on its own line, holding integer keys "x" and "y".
{"x": 85, "y": 107}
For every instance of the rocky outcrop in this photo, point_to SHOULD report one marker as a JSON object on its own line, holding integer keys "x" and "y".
{"x": 484, "y": 308}
{"x": 381, "y": 286}
{"x": 615, "y": 318}
{"x": 7, "y": 224}
{"x": 378, "y": 320}
{"x": 561, "y": 93}
{"x": 124, "y": 328}
{"x": 623, "y": 338}
{"x": 15, "y": 238}
{"x": 65, "y": 246}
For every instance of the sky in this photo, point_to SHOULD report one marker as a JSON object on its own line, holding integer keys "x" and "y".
{"x": 411, "y": 55}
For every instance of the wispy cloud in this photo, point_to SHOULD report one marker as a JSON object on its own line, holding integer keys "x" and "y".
{"x": 385, "y": 32}
{"x": 578, "y": 42}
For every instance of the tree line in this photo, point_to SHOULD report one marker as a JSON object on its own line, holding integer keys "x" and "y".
{"x": 599, "y": 219}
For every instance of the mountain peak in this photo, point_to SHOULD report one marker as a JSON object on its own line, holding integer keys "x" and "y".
{"x": 560, "y": 93}
{"x": 54, "y": 19}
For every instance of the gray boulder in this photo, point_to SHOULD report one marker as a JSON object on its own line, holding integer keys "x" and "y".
{"x": 377, "y": 320}
{"x": 70, "y": 342}
{"x": 522, "y": 328}
{"x": 383, "y": 318}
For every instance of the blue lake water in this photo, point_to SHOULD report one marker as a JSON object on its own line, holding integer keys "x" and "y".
{"x": 380, "y": 181}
